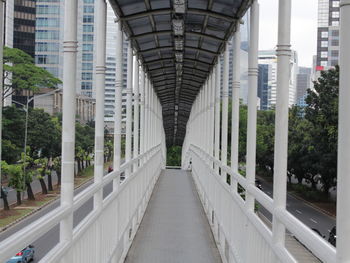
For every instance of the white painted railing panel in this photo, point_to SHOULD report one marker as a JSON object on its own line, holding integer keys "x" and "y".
{"x": 241, "y": 235}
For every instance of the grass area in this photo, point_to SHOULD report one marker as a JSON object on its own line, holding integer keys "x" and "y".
{"x": 7, "y": 217}
{"x": 16, "y": 212}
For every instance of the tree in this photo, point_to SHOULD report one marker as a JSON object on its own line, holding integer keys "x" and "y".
{"x": 322, "y": 113}
{"x": 43, "y": 134}
{"x": 20, "y": 73}
{"x": 16, "y": 179}
{"x": 57, "y": 167}
{"x": 300, "y": 158}
{"x": 174, "y": 156}
{"x": 42, "y": 169}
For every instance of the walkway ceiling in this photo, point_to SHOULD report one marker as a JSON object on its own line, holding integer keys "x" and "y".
{"x": 178, "y": 43}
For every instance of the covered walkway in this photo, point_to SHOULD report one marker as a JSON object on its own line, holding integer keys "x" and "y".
{"x": 174, "y": 227}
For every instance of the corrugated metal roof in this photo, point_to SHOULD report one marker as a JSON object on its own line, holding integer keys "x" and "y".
{"x": 178, "y": 43}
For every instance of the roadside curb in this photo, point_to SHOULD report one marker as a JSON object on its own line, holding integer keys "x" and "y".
{"x": 2, "y": 229}
{"x": 305, "y": 201}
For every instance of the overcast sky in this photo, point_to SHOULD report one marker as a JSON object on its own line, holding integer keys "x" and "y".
{"x": 304, "y": 28}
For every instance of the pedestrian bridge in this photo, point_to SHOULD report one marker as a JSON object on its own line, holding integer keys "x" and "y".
{"x": 177, "y": 94}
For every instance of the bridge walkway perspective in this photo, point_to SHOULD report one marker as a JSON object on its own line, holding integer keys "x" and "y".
{"x": 174, "y": 227}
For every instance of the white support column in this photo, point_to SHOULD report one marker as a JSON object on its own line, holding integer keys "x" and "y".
{"x": 224, "y": 123}
{"x": 212, "y": 112}
{"x": 217, "y": 114}
{"x": 136, "y": 111}
{"x": 235, "y": 103}
{"x": 142, "y": 113}
{"x": 118, "y": 105}
{"x": 128, "y": 141}
{"x": 100, "y": 35}
{"x": 281, "y": 123}
{"x": 343, "y": 180}
{"x": 146, "y": 141}
{"x": 68, "y": 118}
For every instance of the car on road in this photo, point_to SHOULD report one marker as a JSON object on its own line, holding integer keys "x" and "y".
{"x": 333, "y": 236}
{"x": 24, "y": 256}
{"x": 258, "y": 184}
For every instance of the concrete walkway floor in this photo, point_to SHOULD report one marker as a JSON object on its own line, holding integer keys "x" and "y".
{"x": 174, "y": 228}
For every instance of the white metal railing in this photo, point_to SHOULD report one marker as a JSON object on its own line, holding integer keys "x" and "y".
{"x": 240, "y": 234}
{"x": 117, "y": 223}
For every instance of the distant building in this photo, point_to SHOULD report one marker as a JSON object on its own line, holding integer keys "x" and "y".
{"x": 263, "y": 85}
{"x": 24, "y": 26}
{"x": 51, "y": 102}
{"x": 268, "y": 57}
{"x": 327, "y": 34}
{"x": 303, "y": 82}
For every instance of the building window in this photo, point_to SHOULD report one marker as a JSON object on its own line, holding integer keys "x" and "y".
{"x": 88, "y": 9}
{"x": 52, "y": 70}
{"x": 88, "y": 19}
{"x": 88, "y": 47}
{"x": 324, "y": 34}
{"x": 324, "y": 63}
{"x": 335, "y": 14}
{"x": 335, "y": 4}
{"x": 335, "y": 43}
{"x": 88, "y": 28}
{"x": 324, "y": 43}
{"x": 88, "y": 38}
{"x": 86, "y": 85}
{"x": 86, "y": 76}
{"x": 88, "y": 1}
{"x": 47, "y": 22}
{"x": 335, "y": 23}
{"x": 47, "y": 34}
{"x": 44, "y": 47}
{"x": 87, "y": 57}
{"x": 335, "y": 53}
{"x": 324, "y": 54}
{"x": 46, "y": 59}
{"x": 47, "y": 10}
{"x": 334, "y": 63}
{"x": 87, "y": 66}
{"x": 335, "y": 33}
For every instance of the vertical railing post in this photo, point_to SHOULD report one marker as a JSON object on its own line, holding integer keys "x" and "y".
{"x": 68, "y": 119}
{"x": 136, "y": 112}
{"x": 252, "y": 100}
{"x": 142, "y": 114}
{"x": 281, "y": 123}
{"x": 100, "y": 34}
{"x": 235, "y": 103}
{"x": 224, "y": 122}
{"x": 118, "y": 105}
{"x": 212, "y": 113}
{"x": 128, "y": 135}
{"x": 343, "y": 180}
{"x": 217, "y": 114}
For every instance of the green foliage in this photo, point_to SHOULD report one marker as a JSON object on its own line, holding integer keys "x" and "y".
{"x": 42, "y": 167}
{"x": 22, "y": 74}
{"x": 43, "y": 134}
{"x": 15, "y": 174}
{"x": 174, "y": 156}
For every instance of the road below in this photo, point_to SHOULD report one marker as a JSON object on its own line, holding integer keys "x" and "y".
{"x": 46, "y": 242}
{"x": 310, "y": 216}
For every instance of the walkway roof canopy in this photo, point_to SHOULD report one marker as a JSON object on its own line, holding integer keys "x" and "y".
{"x": 178, "y": 42}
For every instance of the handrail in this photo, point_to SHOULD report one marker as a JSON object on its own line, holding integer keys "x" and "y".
{"x": 30, "y": 233}
{"x": 318, "y": 246}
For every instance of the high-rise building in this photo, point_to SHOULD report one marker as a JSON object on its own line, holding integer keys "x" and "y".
{"x": 263, "y": 85}
{"x": 111, "y": 67}
{"x": 303, "y": 82}
{"x": 268, "y": 57}
{"x": 327, "y": 34}
{"x": 24, "y": 26}
{"x": 49, "y": 36}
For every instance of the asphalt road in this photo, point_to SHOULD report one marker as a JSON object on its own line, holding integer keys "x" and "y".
{"x": 310, "y": 216}
{"x": 46, "y": 242}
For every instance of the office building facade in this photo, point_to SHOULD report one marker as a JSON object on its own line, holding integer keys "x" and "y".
{"x": 303, "y": 82}
{"x": 268, "y": 57}
{"x": 327, "y": 34}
